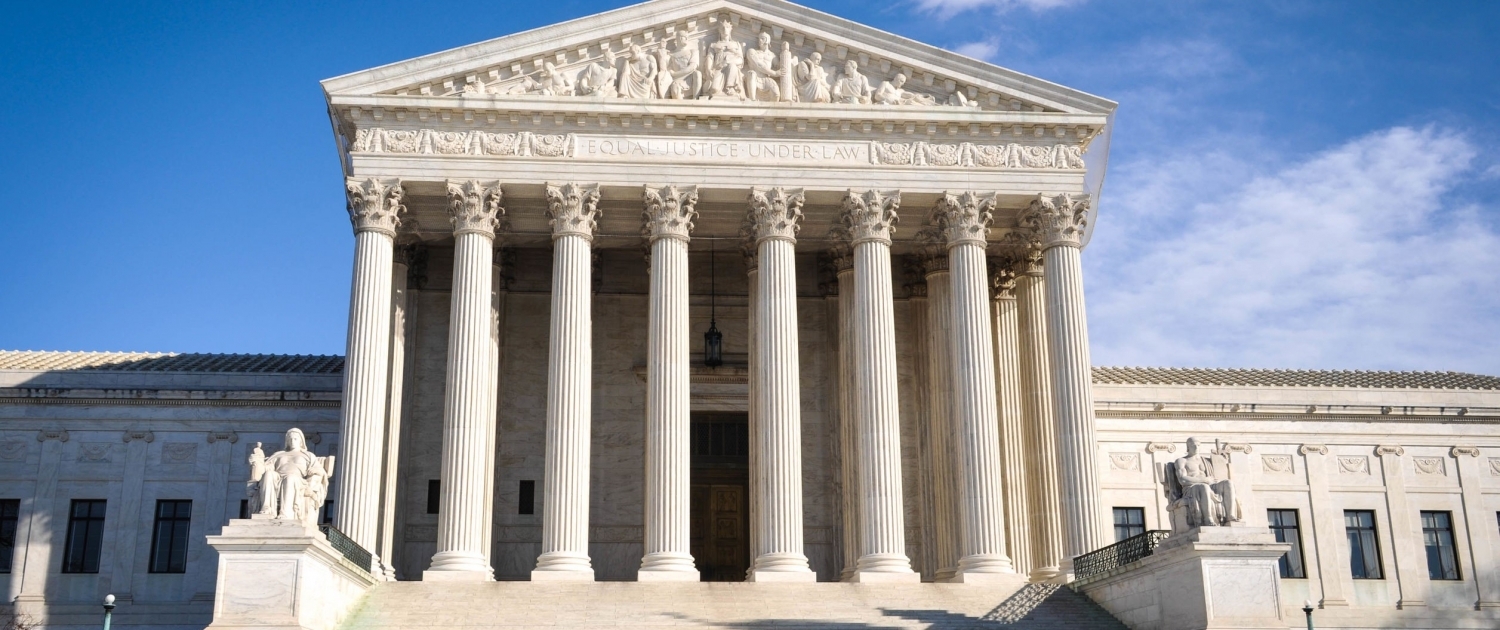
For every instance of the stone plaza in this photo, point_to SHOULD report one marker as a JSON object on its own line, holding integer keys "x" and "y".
{"x": 702, "y": 292}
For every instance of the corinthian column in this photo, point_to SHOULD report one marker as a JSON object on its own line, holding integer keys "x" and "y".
{"x": 1058, "y": 223}
{"x": 965, "y": 220}
{"x": 882, "y": 532}
{"x": 386, "y": 549}
{"x": 1044, "y": 513}
{"x": 1013, "y": 453}
{"x": 752, "y": 275}
{"x": 572, "y": 210}
{"x": 468, "y": 419}
{"x": 374, "y": 206}
{"x": 843, "y": 266}
{"x": 774, "y": 213}
{"x": 939, "y": 425}
{"x": 669, "y": 222}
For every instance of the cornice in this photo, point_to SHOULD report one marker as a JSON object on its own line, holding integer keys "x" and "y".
{"x": 1290, "y": 417}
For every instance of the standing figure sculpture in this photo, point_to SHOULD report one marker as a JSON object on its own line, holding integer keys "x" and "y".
{"x": 812, "y": 80}
{"x": 726, "y": 60}
{"x": 599, "y": 78}
{"x": 852, "y": 87}
{"x": 761, "y": 81}
{"x": 679, "y": 77}
{"x": 290, "y": 484}
{"x": 638, "y": 76}
{"x": 1200, "y": 491}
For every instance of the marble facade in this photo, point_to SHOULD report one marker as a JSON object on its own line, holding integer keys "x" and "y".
{"x": 894, "y": 234}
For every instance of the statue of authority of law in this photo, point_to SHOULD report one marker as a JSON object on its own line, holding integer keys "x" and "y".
{"x": 290, "y": 484}
{"x": 1200, "y": 490}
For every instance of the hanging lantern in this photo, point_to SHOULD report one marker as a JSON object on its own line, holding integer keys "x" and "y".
{"x": 713, "y": 340}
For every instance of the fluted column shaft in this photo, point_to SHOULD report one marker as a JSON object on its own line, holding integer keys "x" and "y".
{"x": 848, "y": 432}
{"x": 917, "y": 309}
{"x": 1014, "y": 455}
{"x": 497, "y": 291}
{"x": 1045, "y": 514}
{"x": 669, "y": 213}
{"x": 778, "y": 440}
{"x": 1073, "y": 400}
{"x": 468, "y": 424}
{"x": 1058, "y": 222}
{"x": 374, "y": 206}
{"x": 869, "y": 216}
{"x": 565, "y": 497}
{"x": 752, "y": 429}
{"x": 390, "y": 474}
{"x": 940, "y": 419}
{"x": 966, "y": 218}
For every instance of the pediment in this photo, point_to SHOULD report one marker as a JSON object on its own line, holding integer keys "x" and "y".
{"x": 622, "y": 55}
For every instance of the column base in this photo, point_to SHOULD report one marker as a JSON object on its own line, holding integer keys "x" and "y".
{"x": 987, "y": 563}
{"x": 877, "y": 577}
{"x": 456, "y": 576}
{"x": 782, "y": 576}
{"x": 944, "y": 575}
{"x": 543, "y": 575}
{"x": 467, "y": 567}
{"x": 657, "y": 575}
{"x": 1044, "y": 574}
{"x": 988, "y": 579}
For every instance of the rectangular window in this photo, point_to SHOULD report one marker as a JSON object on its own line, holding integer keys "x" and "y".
{"x": 85, "y": 536}
{"x": 10, "y": 512}
{"x": 244, "y": 508}
{"x": 1364, "y": 549}
{"x": 1129, "y": 521}
{"x": 1284, "y": 526}
{"x": 1437, "y": 534}
{"x": 169, "y": 538}
{"x": 325, "y": 516}
{"x": 528, "y": 497}
{"x": 434, "y": 496}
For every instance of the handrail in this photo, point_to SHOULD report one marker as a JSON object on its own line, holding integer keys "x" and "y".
{"x": 1105, "y": 559}
{"x": 346, "y": 546}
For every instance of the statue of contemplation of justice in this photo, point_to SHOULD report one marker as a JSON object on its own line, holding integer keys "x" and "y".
{"x": 1199, "y": 490}
{"x": 291, "y": 484}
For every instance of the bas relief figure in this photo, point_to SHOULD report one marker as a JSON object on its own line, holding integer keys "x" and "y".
{"x": 891, "y": 93}
{"x": 852, "y": 87}
{"x": 638, "y": 75}
{"x": 290, "y": 484}
{"x": 599, "y": 78}
{"x": 679, "y": 76}
{"x": 812, "y": 80}
{"x": 726, "y": 62}
{"x": 761, "y": 81}
{"x": 1199, "y": 490}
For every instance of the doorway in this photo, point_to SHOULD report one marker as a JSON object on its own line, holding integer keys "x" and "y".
{"x": 720, "y": 503}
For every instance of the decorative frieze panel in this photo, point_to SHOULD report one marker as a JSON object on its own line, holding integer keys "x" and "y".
{"x": 1354, "y": 465}
{"x": 179, "y": 453}
{"x": 1430, "y": 466}
{"x": 1129, "y": 462}
{"x": 525, "y": 144}
{"x": 1277, "y": 464}
{"x": 1495, "y": 466}
{"x": 93, "y": 452}
{"x": 13, "y": 451}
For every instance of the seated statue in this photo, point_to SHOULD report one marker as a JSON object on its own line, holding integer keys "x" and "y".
{"x": 1199, "y": 490}
{"x": 598, "y": 79}
{"x": 852, "y": 87}
{"x": 290, "y": 484}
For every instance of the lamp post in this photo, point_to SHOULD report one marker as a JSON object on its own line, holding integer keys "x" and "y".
{"x": 109, "y": 609}
{"x": 1307, "y": 609}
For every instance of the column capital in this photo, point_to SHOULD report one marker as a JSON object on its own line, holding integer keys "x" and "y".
{"x": 573, "y": 209}
{"x": 1471, "y": 451}
{"x": 1312, "y": 448}
{"x": 932, "y": 250}
{"x": 669, "y": 212}
{"x": 1002, "y": 279}
{"x": 869, "y": 215}
{"x": 964, "y": 217}
{"x": 60, "y": 435}
{"x": 841, "y": 253}
{"x": 1057, "y": 220}
{"x": 1389, "y": 449}
{"x": 375, "y": 204}
{"x": 144, "y": 435}
{"x": 223, "y": 435}
{"x": 774, "y": 213}
{"x": 474, "y": 207}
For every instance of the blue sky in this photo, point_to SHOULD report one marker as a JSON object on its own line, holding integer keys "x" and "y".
{"x": 1309, "y": 185}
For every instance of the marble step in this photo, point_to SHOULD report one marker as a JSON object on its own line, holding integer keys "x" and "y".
{"x": 515, "y": 605}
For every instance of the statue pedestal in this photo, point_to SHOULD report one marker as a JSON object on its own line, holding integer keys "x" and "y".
{"x": 282, "y": 574}
{"x": 1204, "y": 578}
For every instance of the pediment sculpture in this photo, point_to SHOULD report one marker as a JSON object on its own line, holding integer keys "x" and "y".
{"x": 290, "y": 484}
{"x": 1199, "y": 491}
{"x": 679, "y": 68}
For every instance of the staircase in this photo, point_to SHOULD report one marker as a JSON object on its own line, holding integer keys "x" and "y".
{"x": 515, "y": 605}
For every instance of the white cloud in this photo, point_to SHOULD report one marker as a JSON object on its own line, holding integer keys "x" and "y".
{"x": 949, "y": 8}
{"x": 1362, "y": 256}
{"x": 983, "y": 50}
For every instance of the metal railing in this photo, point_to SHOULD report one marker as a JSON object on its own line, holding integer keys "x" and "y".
{"x": 1131, "y": 549}
{"x": 351, "y": 550}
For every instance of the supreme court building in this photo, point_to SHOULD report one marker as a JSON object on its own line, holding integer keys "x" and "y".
{"x": 731, "y": 291}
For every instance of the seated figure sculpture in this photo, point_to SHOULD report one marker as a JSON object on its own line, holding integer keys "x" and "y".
{"x": 1199, "y": 490}
{"x": 290, "y": 484}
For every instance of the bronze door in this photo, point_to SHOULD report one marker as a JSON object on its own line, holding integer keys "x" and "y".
{"x": 720, "y": 501}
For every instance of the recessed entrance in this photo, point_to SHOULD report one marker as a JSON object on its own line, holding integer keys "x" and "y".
{"x": 721, "y": 495}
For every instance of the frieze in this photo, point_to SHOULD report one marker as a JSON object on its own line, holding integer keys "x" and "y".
{"x": 1355, "y": 465}
{"x": 1277, "y": 464}
{"x": 1125, "y": 461}
{"x": 525, "y": 144}
{"x": 13, "y": 451}
{"x": 1429, "y": 466}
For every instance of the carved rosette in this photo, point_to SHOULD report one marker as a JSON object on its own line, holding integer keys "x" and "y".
{"x": 775, "y": 213}
{"x": 1002, "y": 278}
{"x": 375, "y": 204}
{"x": 932, "y": 250}
{"x": 1057, "y": 220}
{"x": 669, "y": 212}
{"x": 870, "y": 215}
{"x": 474, "y": 207}
{"x": 964, "y": 218}
{"x": 573, "y": 209}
